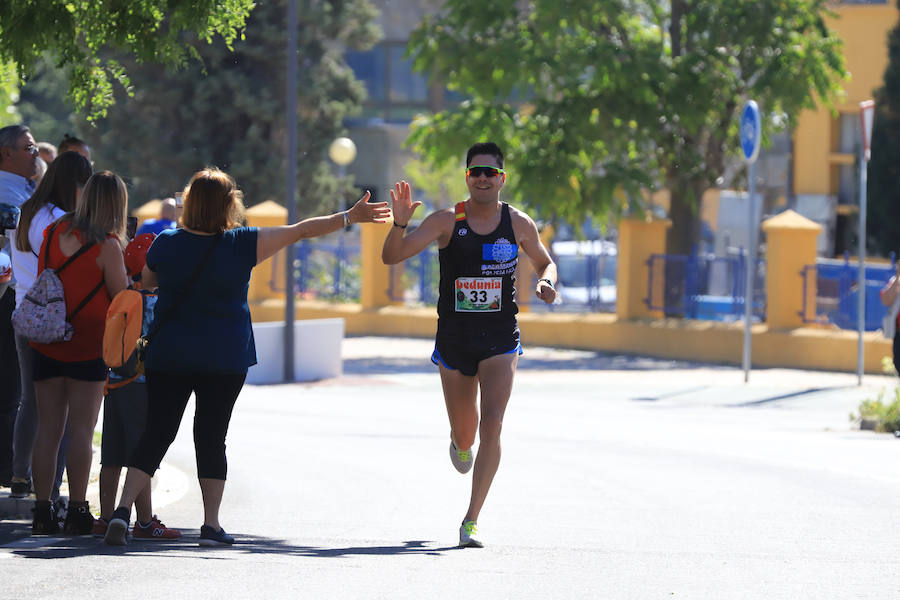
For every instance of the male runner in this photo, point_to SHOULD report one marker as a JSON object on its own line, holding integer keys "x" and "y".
{"x": 477, "y": 341}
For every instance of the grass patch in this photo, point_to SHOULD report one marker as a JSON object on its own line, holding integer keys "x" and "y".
{"x": 883, "y": 410}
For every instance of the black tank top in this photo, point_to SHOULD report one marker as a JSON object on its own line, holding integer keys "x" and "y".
{"x": 478, "y": 274}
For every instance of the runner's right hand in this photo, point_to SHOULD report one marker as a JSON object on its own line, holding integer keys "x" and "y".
{"x": 402, "y": 204}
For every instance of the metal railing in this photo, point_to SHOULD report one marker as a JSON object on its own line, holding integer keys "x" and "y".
{"x": 323, "y": 270}
{"x": 837, "y": 292}
{"x": 415, "y": 280}
{"x": 703, "y": 286}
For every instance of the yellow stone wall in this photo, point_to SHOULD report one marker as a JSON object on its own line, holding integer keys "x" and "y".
{"x": 638, "y": 239}
{"x": 790, "y": 246}
{"x": 267, "y": 278}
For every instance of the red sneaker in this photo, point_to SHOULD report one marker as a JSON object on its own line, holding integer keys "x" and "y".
{"x": 100, "y": 525}
{"x": 154, "y": 530}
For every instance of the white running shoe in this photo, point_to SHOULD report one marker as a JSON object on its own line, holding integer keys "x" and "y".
{"x": 461, "y": 459}
{"x": 468, "y": 535}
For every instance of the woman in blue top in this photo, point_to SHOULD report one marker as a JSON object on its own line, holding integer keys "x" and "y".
{"x": 204, "y": 341}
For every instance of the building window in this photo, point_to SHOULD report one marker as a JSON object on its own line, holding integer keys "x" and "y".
{"x": 850, "y": 134}
{"x": 395, "y": 91}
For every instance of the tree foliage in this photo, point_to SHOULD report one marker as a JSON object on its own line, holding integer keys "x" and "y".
{"x": 9, "y": 94}
{"x": 883, "y": 222}
{"x": 80, "y": 34}
{"x": 619, "y": 96}
{"x": 228, "y": 109}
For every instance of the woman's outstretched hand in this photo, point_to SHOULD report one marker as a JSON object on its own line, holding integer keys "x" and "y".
{"x": 401, "y": 200}
{"x": 365, "y": 212}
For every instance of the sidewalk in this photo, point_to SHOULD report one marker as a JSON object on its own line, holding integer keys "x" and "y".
{"x": 20, "y": 508}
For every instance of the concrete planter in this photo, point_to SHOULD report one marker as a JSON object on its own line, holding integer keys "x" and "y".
{"x": 317, "y": 351}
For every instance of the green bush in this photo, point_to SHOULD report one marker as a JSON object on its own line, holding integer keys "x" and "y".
{"x": 887, "y": 416}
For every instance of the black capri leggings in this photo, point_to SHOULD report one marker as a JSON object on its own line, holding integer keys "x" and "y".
{"x": 167, "y": 396}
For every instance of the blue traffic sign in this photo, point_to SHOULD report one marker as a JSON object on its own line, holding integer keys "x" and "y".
{"x": 751, "y": 131}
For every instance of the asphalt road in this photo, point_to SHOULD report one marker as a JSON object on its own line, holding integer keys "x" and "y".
{"x": 622, "y": 477}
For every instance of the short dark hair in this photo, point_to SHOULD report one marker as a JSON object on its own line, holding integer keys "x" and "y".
{"x": 70, "y": 142}
{"x": 9, "y": 136}
{"x": 485, "y": 148}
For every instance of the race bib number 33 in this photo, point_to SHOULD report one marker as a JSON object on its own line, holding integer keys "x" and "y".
{"x": 478, "y": 294}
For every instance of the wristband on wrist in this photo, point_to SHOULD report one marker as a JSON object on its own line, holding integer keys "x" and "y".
{"x": 346, "y": 218}
{"x": 550, "y": 283}
{"x": 396, "y": 224}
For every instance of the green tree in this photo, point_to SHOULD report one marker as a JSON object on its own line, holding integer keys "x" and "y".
{"x": 883, "y": 219}
{"x": 620, "y": 96}
{"x": 9, "y": 94}
{"x": 228, "y": 110}
{"x": 79, "y": 34}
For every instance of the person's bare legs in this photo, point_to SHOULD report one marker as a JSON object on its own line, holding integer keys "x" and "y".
{"x": 143, "y": 506}
{"x": 460, "y": 396}
{"x": 495, "y": 375}
{"x": 84, "y": 398}
{"x": 212, "y": 490}
{"x": 136, "y": 481}
{"x": 109, "y": 488}
{"x": 52, "y": 410}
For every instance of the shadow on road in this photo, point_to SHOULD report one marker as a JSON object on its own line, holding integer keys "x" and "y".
{"x": 584, "y": 361}
{"x": 75, "y": 547}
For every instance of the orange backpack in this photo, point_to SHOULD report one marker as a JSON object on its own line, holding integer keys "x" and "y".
{"x": 124, "y": 326}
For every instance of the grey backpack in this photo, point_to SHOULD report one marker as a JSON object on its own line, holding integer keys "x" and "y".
{"x": 41, "y": 317}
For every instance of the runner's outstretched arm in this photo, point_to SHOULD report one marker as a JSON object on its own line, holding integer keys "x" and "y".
{"x": 272, "y": 239}
{"x": 400, "y": 245}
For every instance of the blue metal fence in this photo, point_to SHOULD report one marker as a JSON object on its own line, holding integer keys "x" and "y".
{"x": 837, "y": 292}
{"x": 415, "y": 281}
{"x": 697, "y": 286}
{"x": 703, "y": 286}
{"x": 327, "y": 270}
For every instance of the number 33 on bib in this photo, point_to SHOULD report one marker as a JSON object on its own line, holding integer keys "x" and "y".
{"x": 478, "y": 294}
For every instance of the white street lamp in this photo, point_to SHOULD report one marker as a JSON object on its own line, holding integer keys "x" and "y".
{"x": 342, "y": 151}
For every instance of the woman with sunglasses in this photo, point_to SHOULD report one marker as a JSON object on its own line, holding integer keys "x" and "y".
{"x": 477, "y": 342}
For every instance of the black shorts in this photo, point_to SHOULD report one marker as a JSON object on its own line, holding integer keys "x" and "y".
{"x": 45, "y": 367}
{"x": 124, "y": 417}
{"x": 461, "y": 351}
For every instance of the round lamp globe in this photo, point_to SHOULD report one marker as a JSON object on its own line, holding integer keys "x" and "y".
{"x": 342, "y": 151}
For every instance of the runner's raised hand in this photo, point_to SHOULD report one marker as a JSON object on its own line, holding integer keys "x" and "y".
{"x": 401, "y": 201}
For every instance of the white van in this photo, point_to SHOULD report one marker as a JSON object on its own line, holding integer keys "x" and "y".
{"x": 587, "y": 272}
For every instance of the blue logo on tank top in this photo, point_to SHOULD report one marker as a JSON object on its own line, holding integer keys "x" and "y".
{"x": 501, "y": 251}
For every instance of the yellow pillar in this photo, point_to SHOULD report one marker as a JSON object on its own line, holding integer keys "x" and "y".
{"x": 790, "y": 246}
{"x": 638, "y": 239}
{"x": 267, "y": 278}
{"x": 376, "y": 276}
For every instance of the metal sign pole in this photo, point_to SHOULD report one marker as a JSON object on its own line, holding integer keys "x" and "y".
{"x": 866, "y": 120}
{"x": 751, "y": 272}
{"x": 751, "y": 139}
{"x": 290, "y": 188}
{"x": 861, "y": 277}
{"x": 750, "y": 264}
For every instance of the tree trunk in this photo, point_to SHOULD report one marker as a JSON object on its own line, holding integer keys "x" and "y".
{"x": 684, "y": 211}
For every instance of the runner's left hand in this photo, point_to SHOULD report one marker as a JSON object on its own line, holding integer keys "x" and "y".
{"x": 545, "y": 292}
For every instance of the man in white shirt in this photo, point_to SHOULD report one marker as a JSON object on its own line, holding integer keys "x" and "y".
{"x": 18, "y": 164}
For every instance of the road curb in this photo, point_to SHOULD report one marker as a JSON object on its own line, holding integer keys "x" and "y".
{"x": 169, "y": 485}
